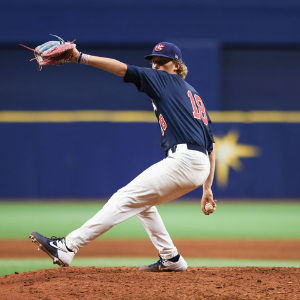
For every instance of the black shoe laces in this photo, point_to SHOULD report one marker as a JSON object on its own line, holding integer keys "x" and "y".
{"x": 56, "y": 238}
{"x": 61, "y": 240}
{"x": 160, "y": 262}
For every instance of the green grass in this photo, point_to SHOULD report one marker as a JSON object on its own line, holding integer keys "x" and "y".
{"x": 266, "y": 220}
{"x": 10, "y": 266}
{"x": 257, "y": 220}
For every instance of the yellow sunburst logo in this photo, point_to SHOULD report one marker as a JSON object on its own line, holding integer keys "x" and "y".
{"x": 228, "y": 154}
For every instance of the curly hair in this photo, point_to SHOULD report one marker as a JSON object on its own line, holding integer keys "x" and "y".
{"x": 183, "y": 70}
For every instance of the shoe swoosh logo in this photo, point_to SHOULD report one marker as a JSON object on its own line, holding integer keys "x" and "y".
{"x": 55, "y": 246}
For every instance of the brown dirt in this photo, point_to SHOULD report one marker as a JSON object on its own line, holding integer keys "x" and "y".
{"x": 251, "y": 249}
{"x": 128, "y": 283}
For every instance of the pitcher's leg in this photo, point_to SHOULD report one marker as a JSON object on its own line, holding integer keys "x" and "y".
{"x": 154, "y": 186}
{"x": 157, "y": 232}
{"x": 146, "y": 190}
{"x": 118, "y": 209}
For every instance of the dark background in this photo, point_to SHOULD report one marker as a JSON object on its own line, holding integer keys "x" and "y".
{"x": 241, "y": 55}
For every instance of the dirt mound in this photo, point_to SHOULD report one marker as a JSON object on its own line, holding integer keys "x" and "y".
{"x": 129, "y": 283}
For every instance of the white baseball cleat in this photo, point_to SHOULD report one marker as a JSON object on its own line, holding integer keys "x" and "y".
{"x": 55, "y": 247}
{"x": 175, "y": 264}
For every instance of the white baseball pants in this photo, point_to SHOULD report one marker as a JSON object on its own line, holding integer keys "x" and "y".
{"x": 170, "y": 178}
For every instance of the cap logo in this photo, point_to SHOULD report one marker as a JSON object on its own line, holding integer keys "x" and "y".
{"x": 159, "y": 47}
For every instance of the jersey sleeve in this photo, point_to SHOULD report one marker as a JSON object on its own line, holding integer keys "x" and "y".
{"x": 210, "y": 131}
{"x": 210, "y": 148}
{"x": 149, "y": 81}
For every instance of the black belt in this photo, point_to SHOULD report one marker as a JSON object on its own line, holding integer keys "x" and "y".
{"x": 190, "y": 147}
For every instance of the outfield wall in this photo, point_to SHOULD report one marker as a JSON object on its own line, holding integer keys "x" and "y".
{"x": 94, "y": 159}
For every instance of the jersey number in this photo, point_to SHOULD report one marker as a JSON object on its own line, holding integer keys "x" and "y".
{"x": 162, "y": 124}
{"x": 198, "y": 107}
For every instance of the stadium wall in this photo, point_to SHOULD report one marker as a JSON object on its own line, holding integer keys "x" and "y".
{"x": 77, "y": 132}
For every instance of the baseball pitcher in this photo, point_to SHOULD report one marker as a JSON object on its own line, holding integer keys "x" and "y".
{"x": 186, "y": 139}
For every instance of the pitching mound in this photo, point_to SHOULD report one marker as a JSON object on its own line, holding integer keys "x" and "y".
{"x": 129, "y": 283}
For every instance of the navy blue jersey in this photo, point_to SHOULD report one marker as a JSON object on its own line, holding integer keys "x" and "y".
{"x": 178, "y": 107}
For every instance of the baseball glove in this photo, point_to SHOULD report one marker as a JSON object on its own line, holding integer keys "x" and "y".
{"x": 53, "y": 53}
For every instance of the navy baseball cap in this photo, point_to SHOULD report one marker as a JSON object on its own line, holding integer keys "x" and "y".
{"x": 165, "y": 49}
